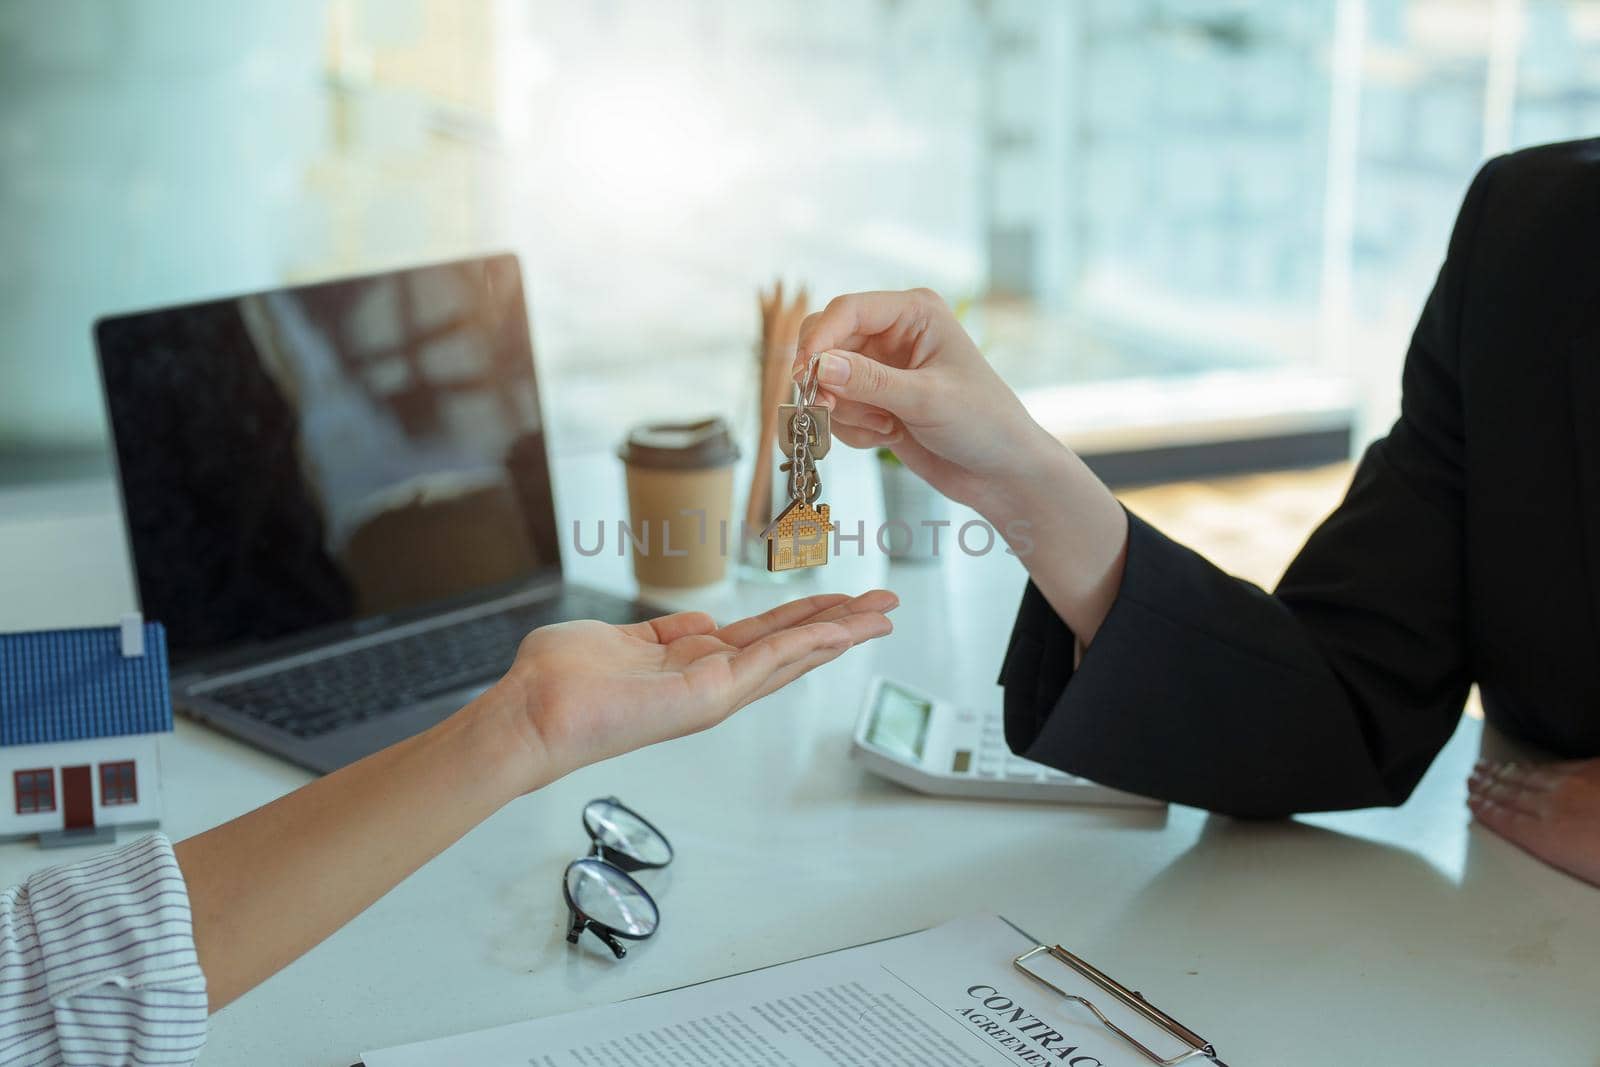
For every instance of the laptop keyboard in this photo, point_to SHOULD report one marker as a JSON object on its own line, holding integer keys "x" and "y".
{"x": 352, "y": 687}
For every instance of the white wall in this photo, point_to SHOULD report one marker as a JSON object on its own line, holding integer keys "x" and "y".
{"x": 143, "y": 749}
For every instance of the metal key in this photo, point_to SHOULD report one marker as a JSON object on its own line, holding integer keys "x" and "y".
{"x": 819, "y": 435}
{"x": 798, "y": 535}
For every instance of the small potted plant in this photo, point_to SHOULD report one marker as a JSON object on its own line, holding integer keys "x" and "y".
{"x": 909, "y": 503}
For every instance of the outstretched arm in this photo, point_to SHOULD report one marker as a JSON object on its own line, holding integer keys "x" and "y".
{"x": 899, "y": 372}
{"x": 1335, "y": 691}
{"x": 270, "y": 885}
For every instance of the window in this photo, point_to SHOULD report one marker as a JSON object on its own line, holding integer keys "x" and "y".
{"x": 36, "y": 791}
{"x": 1124, "y": 192}
{"x": 118, "y": 784}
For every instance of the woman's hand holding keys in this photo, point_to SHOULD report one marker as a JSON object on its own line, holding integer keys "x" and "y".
{"x": 899, "y": 372}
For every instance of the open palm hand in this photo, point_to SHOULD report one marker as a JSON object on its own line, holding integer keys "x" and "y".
{"x": 590, "y": 690}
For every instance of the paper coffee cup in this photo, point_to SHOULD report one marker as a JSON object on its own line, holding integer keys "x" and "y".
{"x": 680, "y": 501}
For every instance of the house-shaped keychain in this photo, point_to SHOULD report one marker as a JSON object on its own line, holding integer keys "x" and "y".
{"x": 80, "y": 714}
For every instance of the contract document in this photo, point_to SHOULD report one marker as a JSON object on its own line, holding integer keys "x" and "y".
{"x": 945, "y": 997}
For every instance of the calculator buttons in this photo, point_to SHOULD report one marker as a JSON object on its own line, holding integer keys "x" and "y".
{"x": 962, "y": 761}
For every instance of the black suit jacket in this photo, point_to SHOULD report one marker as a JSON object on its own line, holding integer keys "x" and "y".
{"x": 1467, "y": 550}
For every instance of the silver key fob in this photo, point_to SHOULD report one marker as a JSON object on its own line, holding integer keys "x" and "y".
{"x": 817, "y": 440}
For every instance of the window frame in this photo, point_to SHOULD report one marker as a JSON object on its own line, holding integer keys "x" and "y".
{"x": 116, "y": 767}
{"x": 34, "y": 792}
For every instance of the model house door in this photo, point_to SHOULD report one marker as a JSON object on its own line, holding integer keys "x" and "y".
{"x": 77, "y": 797}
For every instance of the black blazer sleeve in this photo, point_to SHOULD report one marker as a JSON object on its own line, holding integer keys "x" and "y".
{"x": 1335, "y": 691}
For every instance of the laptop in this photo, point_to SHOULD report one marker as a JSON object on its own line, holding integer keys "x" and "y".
{"x": 338, "y": 501}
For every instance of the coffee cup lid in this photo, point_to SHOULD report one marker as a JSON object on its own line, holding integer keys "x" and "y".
{"x": 680, "y": 445}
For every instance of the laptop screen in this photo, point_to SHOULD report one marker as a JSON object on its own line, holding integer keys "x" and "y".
{"x": 329, "y": 455}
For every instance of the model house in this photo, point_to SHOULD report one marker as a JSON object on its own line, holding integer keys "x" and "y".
{"x": 80, "y": 715}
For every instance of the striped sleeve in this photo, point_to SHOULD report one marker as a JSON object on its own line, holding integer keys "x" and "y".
{"x": 98, "y": 965}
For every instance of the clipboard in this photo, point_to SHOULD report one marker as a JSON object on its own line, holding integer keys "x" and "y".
{"x": 952, "y": 972}
{"x": 1195, "y": 1046}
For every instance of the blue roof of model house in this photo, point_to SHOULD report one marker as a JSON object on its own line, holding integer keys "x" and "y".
{"x": 72, "y": 685}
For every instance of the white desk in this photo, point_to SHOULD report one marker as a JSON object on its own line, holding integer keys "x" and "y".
{"x": 1385, "y": 937}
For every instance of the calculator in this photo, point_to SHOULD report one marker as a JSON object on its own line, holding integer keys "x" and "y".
{"x": 910, "y": 737}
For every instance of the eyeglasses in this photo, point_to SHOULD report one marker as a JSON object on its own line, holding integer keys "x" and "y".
{"x": 602, "y": 896}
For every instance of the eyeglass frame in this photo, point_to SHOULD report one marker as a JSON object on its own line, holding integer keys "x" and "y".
{"x": 622, "y": 865}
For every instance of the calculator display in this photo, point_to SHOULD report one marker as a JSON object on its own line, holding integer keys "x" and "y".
{"x": 899, "y": 723}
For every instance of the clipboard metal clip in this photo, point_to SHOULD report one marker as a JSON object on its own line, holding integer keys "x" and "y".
{"x": 1197, "y": 1046}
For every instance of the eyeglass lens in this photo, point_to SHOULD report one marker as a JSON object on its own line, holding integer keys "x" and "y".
{"x": 620, "y": 830}
{"x": 611, "y": 898}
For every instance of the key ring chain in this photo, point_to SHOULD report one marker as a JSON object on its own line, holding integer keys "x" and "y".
{"x": 803, "y": 481}
{"x": 808, "y": 381}
{"x": 798, "y": 535}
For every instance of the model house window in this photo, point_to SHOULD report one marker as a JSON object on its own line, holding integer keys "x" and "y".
{"x": 117, "y": 784}
{"x": 36, "y": 791}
